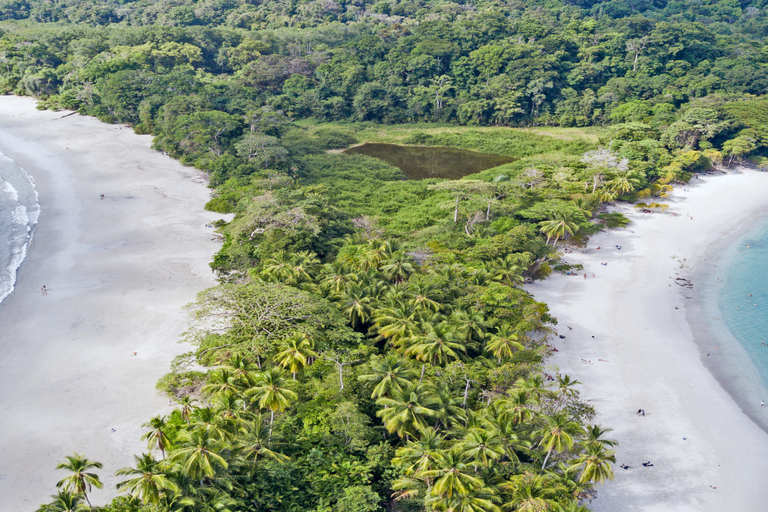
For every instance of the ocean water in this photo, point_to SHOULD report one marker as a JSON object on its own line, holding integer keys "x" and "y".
{"x": 742, "y": 297}
{"x": 19, "y": 211}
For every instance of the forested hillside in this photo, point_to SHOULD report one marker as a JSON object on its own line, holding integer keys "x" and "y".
{"x": 370, "y": 346}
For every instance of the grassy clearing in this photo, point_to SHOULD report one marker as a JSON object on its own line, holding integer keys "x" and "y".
{"x": 460, "y": 136}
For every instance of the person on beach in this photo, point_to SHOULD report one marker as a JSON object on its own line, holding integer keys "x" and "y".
{"x": 44, "y": 290}
{"x": 762, "y": 403}
{"x": 585, "y": 276}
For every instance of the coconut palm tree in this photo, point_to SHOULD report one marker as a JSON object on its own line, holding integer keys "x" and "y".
{"x": 277, "y": 266}
{"x": 594, "y": 435}
{"x": 557, "y": 228}
{"x": 231, "y": 408}
{"x": 504, "y": 343}
{"x": 530, "y": 492}
{"x": 472, "y": 325}
{"x": 409, "y": 411}
{"x": 452, "y": 474}
{"x": 557, "y": 434}
{"x": 508, "y": 270}
{"x": 81, "y": 480}
{"x": 64, "y": 501}
{"x": 389, "y": 375}
{"x": 519, "y": 406}
{"x": 253, "y": 442}
{"x": 481, "y": 446}
{"x": 242, "y": 369}
{"x": 438, "y": 344}
{"x": 197, "y": 454}
{"x": 398, "y": 267}
{"x": 271, "y": 391}
{"x": 395, "y": 323}
{"x": 595, "y": 464}
{"x": 623, "y": 182}
{"x": 356, "y": 304}
{"x": 187, "y": 406}
{"x": 296, "y": 352}
{"x": 207, "y": 419}
{"x": 222, "y": 380}
{"x": 479, "y": 500}
{"x": 150, "y": 482}
{"x": 156, "y": 437}
{"x": 419, "y": 454}
{"x": 424, "y": 297}
{"x": 573, "y": 506}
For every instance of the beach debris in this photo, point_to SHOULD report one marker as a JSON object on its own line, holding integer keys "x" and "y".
{"x": 681, "y": 281}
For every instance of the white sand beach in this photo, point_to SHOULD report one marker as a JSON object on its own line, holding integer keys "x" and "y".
{"x": 629, "y": 341}
{"x": 78, "y": 367}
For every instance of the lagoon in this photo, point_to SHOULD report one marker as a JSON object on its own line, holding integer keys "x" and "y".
{"x": 421, "y": 162}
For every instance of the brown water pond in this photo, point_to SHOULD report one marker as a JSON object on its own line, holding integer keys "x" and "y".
{"x": 420, "y": 162}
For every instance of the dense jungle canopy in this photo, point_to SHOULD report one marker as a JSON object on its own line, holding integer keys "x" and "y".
{"x": 370, "y": 346}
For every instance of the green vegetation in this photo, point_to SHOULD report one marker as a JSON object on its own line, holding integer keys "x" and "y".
{"x": 369, "y": 346}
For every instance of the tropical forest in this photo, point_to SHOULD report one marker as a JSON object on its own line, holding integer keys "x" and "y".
{"x": 370, "y": 345}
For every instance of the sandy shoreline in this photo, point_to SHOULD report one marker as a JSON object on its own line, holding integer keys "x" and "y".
{"x": 632, "y": 345}
{"x": 118, "y": 272}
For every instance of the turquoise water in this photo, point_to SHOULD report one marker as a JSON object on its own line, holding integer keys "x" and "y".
{"x": 745, "y": 316}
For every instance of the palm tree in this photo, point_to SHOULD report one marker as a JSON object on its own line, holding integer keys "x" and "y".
{"x": 389, "y": 375}
{"x": 557, "y": 434}
{"x": 337, "y": 277}
{"x": 594, "y": 435}
{"x": 149, "y": 483}
{"x": 573, "y": 506}
{"x": 398, "y": 267}
{"x": 81, "y": 480}
{"x": 438, "y": 344}
{"x": 594, "y": 464}
{"x": 557, "y": 228}
{"x": 481, "y": 446}
{"x": 230, "y": 407}
{"x": 254, "y": 440}
{"x": 222, "y": 380}
{"x": 276, "y": 268}
{"x": 304, "y": 266}
{"x": 408, "y": 412}
{"x": 623, "y": 182}
{"x": 508, "y": 271}
{"x": 452, "y": 475}
{"x": 197, "y": 454}
{"x": 419, "y": 455}
{"x": 156, "y": 437}
{"x": 424, "y": 297}
{"x": 530, "y": 492}
{"x": 64, "y": 501}
{"x": 356, "y": 304}
{"x": 504, "y": 343}
{"x": 242, "y": 369}
{"x": 472, "y": 325}
{"x": 207, "y": 419}
{"x": 297, "y": 349}
{"x": 479, "y": 500}
{"x": 447, "y": 406}
{"x": 271, "y": 391}
{"x": 186, "y": 403}
{"x": 395, "y": 323}
{"x": 519, "y": 406}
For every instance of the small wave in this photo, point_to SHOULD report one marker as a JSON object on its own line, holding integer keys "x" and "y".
{"x": 11, "y": 191}
{"x": 24, "y": 214}
{"x": 20, "y": 216}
